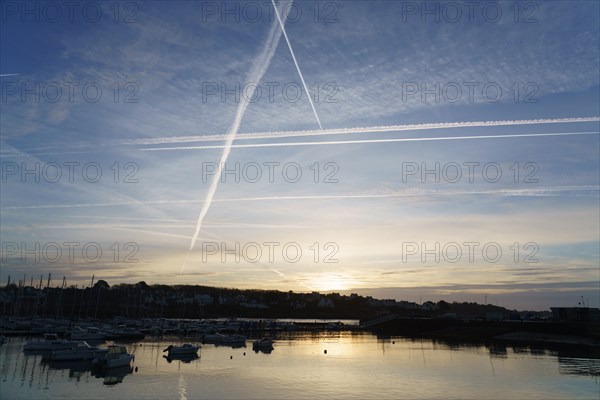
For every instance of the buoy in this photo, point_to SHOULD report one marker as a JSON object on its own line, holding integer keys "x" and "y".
{"x": 325, "y": 352}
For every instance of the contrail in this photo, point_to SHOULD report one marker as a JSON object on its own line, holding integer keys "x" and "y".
{"x": 261, "y": 63}
{"x": 544, "y": 191}
{"x": 365, "y": 141}
{"x": 296, "y": 63}
{"x": 370, "y": 129}
{"x": 281, "y": 274}
{"x": 3, "y": 75}
{"x": 83, "y": 188}
{"x": 305, "y": 133}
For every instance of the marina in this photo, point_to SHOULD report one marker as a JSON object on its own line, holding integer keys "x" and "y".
{"x": 342, "y": 364}
{"x": 300, "y": 199}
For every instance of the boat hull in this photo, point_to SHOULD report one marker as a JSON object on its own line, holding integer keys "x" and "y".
{"x": 118, "y": 362}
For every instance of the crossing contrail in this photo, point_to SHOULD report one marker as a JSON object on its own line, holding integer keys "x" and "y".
{"x": 259, "y": 67}
{"x": 370, "y": 141}
{"x": 296, "y": 63}
{"x": 301, "y": 133}
{"x": 357, "y": 130}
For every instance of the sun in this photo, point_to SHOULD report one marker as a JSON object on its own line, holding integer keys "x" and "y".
{"x": 329, "y": 282}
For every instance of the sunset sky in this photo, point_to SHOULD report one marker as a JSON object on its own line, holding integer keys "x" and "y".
{"x": 125, "y": 110}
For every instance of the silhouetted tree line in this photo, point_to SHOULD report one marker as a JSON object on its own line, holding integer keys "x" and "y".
{"x": 141, "y": 300}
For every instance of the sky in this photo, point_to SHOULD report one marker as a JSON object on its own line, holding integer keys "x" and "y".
{"x": 408, "y": 150}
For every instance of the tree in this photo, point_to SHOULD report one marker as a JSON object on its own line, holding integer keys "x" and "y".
{"x": 142, "y": 285}
{"x": 443, "y": 306}
{"x": 101, "y": 284}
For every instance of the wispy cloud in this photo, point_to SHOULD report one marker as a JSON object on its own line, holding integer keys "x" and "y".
{"x": 584, "y": 190}
{"x": 97, "y": 190}
{"x": 375, "y": 126}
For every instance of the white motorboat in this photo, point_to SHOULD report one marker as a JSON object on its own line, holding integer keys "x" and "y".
{"x": 50, "y": 342}
{"x": 117, "y": 356}
{"x": 263, "y": 343}
{"x": 83, "y": 351}
{"x": 181, "y": 350}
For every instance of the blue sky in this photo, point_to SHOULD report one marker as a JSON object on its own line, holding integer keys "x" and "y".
{"x": 176, "y": 76}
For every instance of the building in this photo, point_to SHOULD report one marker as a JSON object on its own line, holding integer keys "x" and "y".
{"x": 575, "y": 314}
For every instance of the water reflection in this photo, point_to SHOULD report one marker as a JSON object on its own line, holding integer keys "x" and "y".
{"x": 305, "y": 364}
{"x": 234, "y": 345}
{"x": 578, "y": 366}
{"x": 498, "y": 351}
{"x": 80, "y": 369}
{"x": 185, "y": 358}
{"x": 112, "y": 376}
{"x": 264, "y": 350}
{"x": 76, "y": 368}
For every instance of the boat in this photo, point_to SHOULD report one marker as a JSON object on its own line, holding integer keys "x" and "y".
{"x": 229, "y": 340}
{"x": 183, "y": 349}
{"x": 83, "y": 351}
{"x": 117, "y": 356}
{"x": 263, "y": 343}
{"x": 90, "y": 334}
{"x": 212, "y": 338}
{"x": 124, "y": 333}
{"x": 50, "y": 342}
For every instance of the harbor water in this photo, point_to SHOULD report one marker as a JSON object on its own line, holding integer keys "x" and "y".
{"x": 302, "y": 365}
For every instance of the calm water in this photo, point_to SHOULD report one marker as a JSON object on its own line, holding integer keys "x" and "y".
{"x": 355, "y": 366}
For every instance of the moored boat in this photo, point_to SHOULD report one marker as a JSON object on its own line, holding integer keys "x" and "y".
{"x": 83, "y": 351}
{"x": 50, "y": 342}
{"x": 90, "y": 334}
{"x": 183, "y": 349}
{"x": 117, "y": 356}
{"x": 124, "y": 333}
{"x": 230, "y": 340}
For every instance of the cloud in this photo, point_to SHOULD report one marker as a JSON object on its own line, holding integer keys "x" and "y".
{"x": 586, "y": 190}
{"x": 358, "y": 82}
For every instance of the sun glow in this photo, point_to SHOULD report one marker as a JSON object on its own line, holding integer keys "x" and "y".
{"x": 328, "y": 282}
